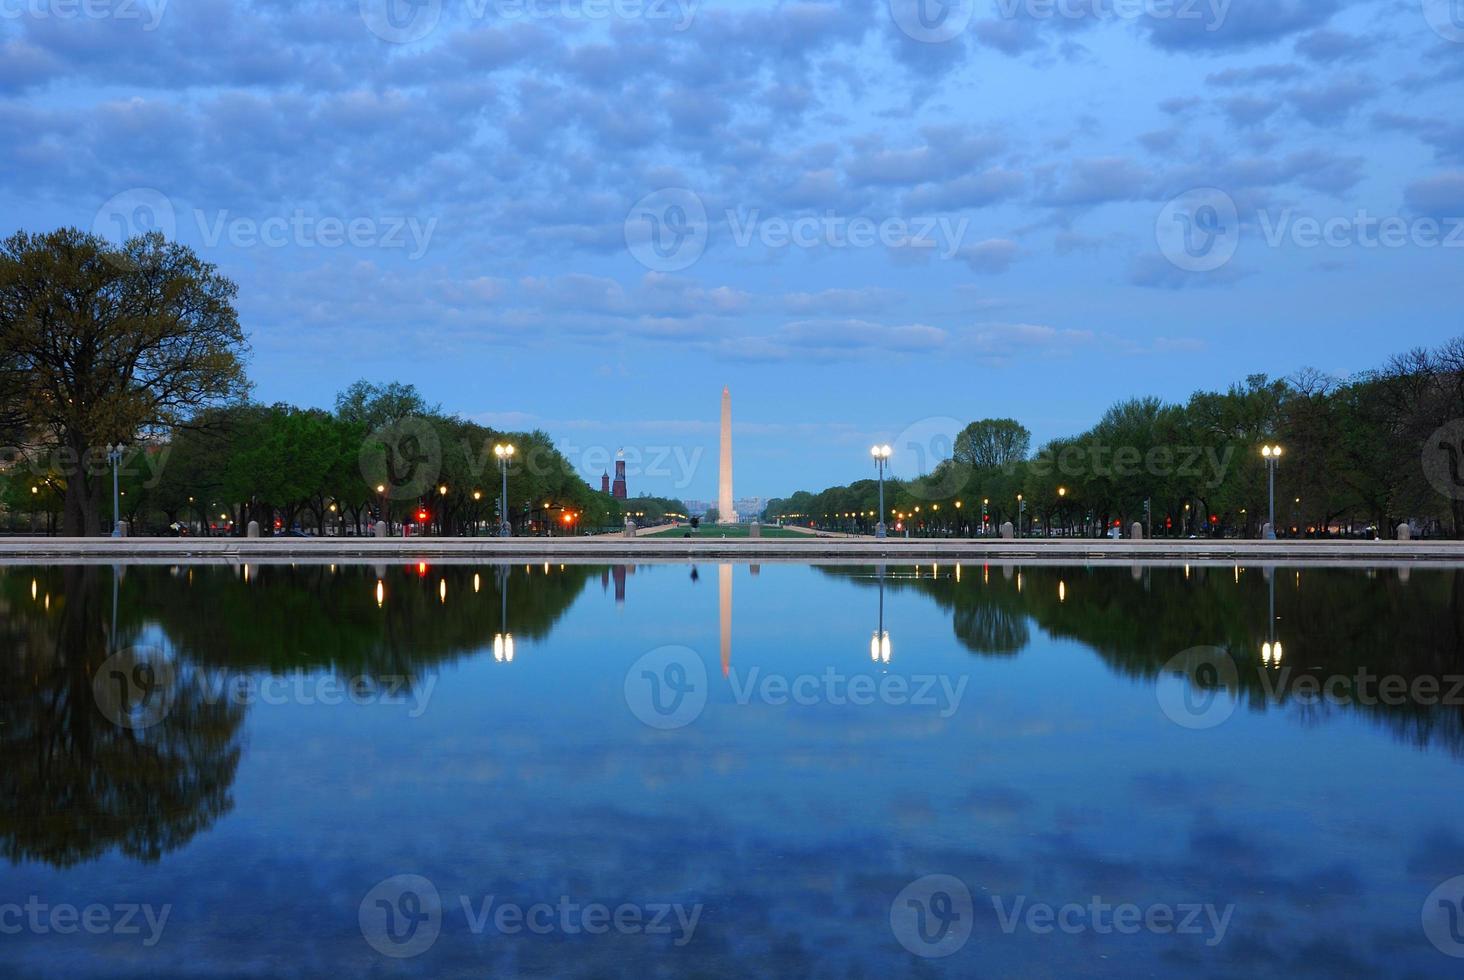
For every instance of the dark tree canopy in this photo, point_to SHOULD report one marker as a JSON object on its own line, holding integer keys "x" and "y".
{"x": 108, "y": 343}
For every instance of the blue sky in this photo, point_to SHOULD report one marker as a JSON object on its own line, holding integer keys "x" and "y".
{"x": 874, "y": 220}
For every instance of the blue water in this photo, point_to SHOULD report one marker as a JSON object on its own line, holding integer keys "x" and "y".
{"x": 761, "y": 831}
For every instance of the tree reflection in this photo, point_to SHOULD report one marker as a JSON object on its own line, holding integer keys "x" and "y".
{"x": 73, "y": 785}
{"x": 1330, "y": 622}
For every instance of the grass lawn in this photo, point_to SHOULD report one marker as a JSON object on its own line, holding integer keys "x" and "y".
{"x": 730, "y": 531}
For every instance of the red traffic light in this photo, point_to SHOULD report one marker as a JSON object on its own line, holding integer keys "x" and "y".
{"x": 422, "y": 517}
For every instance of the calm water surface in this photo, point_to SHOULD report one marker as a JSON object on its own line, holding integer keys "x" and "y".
{"x": 730, "y": 770}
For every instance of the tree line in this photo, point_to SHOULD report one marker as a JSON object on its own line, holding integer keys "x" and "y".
{"x": 130, "y": 359}
{"x": 1359, "y": 455}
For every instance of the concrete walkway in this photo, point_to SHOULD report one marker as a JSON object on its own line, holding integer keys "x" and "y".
{"x": 19, "y": 550}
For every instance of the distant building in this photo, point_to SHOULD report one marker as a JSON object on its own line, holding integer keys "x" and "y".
{"x": 697, "y": 508}
{"x": 616, "y": 489}
{"x": 750, "y": 508}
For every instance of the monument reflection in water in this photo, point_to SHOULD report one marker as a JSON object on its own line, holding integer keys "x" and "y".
{"x": 268, "y": 751}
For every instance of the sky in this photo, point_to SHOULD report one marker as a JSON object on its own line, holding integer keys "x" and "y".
{"x": 874, "y": 220}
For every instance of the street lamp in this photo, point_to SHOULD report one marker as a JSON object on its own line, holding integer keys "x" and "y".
{"x": 504, "y": 452}
{"x": 881, "y": 456}
{"x": 1272, "y": 456}
{"x": 114, "y": 456}
{"x": 1021, "y": 511}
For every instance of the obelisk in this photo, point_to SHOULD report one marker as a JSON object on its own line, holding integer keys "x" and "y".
{"x": 725, "y": 513}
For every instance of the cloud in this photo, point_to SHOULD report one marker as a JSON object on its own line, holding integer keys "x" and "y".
{"x": 1153, "y": 271}
{"x": 1246, "y": 24}
{"x": 991, "y": 256}
{"x": 1439, "y": 196}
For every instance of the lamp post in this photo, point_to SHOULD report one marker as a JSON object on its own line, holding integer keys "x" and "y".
{"x": 881, "y": 456}
{"x": 114, "y": 456}
{"x": 504, "y": 452}
{"x": 985, "y": 501}
{"x": 1272, "y": 456}
{"x": 1062, "y": 512}
{"x": 1021, "y": 512}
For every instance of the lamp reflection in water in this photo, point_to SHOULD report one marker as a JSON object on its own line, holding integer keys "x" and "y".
{"x": 879, "y": 641}
{"x": 503, "y": 640}
{"x": 1271, "y": 648}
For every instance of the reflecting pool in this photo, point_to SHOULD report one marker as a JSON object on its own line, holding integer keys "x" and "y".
{"x": 731, "y": 769}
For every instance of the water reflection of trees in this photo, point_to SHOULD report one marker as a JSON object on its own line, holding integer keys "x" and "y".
{"x": 1331, "y": 621}
{"x": 73, "y": 785}
{"x": 288, "y": 618}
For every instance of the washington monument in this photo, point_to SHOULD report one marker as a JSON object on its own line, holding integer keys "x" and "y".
{"x": 725, "y": 513}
